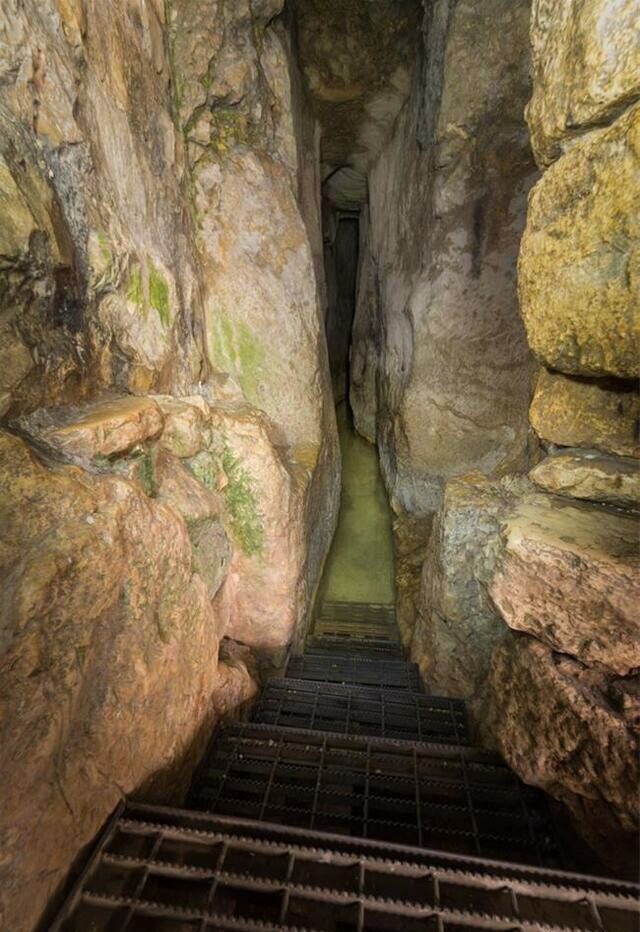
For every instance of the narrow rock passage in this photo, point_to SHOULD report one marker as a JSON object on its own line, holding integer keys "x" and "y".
{"x": 360, "y": 563}
{"x": 352, "y": 801}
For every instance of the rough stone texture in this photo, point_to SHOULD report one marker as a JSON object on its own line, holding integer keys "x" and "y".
{"x": 410, "y": 540}
{"x": 356, "y": 60}
{"x": 98, "y": 429}
{"x": 447, "y": 206}
{"x": 579, "y": 267}
{"x": 569, "y": 574}
{"x": 593, "y": 413}
{"x": 264, "y": 596}
{"x": 457, "y": 628}
{"x": 185, "y": 424}
{"x": 108, "y": 657}
{"x": 175, "y": 485}
{"x": 585, "y": 66}
{"x": 574, "y": 732}
{"x": 587, "y": 474}
{"x": 252, "y": 153}
{"x": 97, "y": 278}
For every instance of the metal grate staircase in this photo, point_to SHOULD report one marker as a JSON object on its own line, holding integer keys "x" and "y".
{"x": 353, "y": 802}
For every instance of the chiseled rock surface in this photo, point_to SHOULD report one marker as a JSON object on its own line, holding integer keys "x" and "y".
{"x": 185, "y": 424}
{"x": 579, "y": 267}
{"x": 108, "y": 658}
{"x": 263, "y": 597}
{"x": 457, "y": 628}
{"x": 175, "y": 485}
{"x": 569, "y": 574}
{"x": 410, "y": 541}
{"x": 99, "y": 273}
{"x": 601, "y": 414}
{"x": 572, "y": 731}
{"x": 585, "y": 67}
{"x": 98, "y": 429}
{"x": 587, "y": 474}
{"x": 447, "y": 208}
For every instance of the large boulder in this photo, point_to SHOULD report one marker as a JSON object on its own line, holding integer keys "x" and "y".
{"x": 569, "y": 574}
{"x": 457, "y": 628}
{"x": 573, "y": 731}
{"x": 579, "y": 269}
{"x": 593, "y": 413}
{"x": 108, "y": 661}
{"x": 265, "y": 595}
{"x": 585, "y": 67}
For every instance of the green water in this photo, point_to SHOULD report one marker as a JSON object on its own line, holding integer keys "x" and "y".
{"x": 360, "y": 563}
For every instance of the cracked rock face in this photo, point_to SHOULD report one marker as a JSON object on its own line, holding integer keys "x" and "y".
{"x": 441, "y": 367}
{"x": 108, "y": 653}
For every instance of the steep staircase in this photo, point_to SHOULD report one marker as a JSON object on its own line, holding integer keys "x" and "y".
{"x": 352, "y": 801}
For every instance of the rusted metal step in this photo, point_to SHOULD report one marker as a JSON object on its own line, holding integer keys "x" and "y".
{"x": 335, "y": 667}
{"x": 168, "y": 870}
{"x": 360, "y": 710}
{"x": 446, "y": 797}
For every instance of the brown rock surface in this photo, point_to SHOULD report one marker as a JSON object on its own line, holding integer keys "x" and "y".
{"x": 571, "y": 731}
{"x": 185, "y": 424}
{"x": 587, "y": 474}
{"x": 102, "y": 428}
{"x": 585, "y": 66}
{"x": 579, "y": 266}
{"x": 601, "y": 414}
{"x": 98, "y": 272}
{"x": 457, "y": 628}
{"x": 264, "y": 597}
{"x": 108, "y": 657}
{"x": 569, "y": 575}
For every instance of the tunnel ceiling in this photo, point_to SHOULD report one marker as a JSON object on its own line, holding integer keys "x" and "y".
{"x": 356, "y": 57}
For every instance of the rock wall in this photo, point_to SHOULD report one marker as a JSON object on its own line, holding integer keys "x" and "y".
{"x": 529, "y": 599}
{"x": 170, "y": 468}
{"x": 113, "y": 554}
{"x": 447, "y": 203}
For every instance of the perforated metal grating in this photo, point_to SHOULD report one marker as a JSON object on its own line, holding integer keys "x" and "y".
{"x": 353, "y": 710}
{"x": 168, "y": 871}
{"x": 452, "y": 798}
{"x": 329, "y": 667}
{"x": 357, "y": 622}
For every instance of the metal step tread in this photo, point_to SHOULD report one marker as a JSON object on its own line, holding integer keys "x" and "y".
{"x": 334, "y": 667}
{"x": 368, "y": 648}
{"x": 360, "y": 710}
{"x": 168, "y": 870}
{"x": 452, "y": 798}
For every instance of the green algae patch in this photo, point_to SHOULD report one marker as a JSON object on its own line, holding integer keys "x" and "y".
{"x": 135, "y": 291}
{"x": 205, "y": 468}
{"x": 236, "y": 350}
{"x": 246, "y": 520}
{"x": 244, "y": 517}
{"x": 159, "y": 295}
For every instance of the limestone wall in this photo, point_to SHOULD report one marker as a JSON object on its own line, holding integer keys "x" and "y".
{"x": 529, "y": 603}
{"x": 170, "y": 468}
